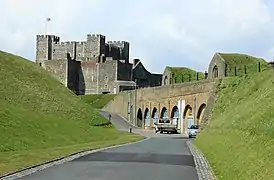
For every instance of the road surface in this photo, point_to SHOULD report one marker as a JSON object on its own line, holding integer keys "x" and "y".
{"x": 162, "y": 157}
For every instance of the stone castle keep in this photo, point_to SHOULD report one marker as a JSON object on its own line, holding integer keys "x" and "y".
{"x": 93, "y": 66}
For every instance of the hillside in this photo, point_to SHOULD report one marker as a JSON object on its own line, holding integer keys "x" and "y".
{"x": 97, "y": 101}
{"x": 240, "y": 61}
{"x": 181, "y": 74}
{"x": 42, "y": 120}
{"x": 239, "y": 139}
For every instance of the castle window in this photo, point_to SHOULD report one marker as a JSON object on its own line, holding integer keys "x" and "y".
{"x": 106, "y": 78}
{"x": 106, "y": 86}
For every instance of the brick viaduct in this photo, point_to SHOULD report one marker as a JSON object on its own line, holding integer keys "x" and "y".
{"x": 178, "y": 102}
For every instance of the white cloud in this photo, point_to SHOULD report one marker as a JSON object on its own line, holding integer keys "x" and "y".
{"x": 181, "y": 33}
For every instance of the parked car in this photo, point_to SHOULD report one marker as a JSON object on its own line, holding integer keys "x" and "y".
{"x": 165, "y": 126}
{"x": 193, "y": 131}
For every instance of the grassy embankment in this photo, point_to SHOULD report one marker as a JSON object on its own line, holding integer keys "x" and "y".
{"x": 97, "y": 101}
{"x": 240, "y": 61}
{"x": 239, "y": 139}
{"x": 181, "y": 74}
{"x": 41, "y": 120}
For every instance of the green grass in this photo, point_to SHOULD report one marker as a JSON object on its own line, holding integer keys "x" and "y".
{"x": 239, "y": 139}
{"x": 181, "y": 74}
{"x": 98, "y": 101}
{"x": 40, "y": 119}
{"x": 240, "y": 61}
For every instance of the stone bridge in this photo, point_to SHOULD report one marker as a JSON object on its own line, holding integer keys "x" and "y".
{"x": 183, "y": 104}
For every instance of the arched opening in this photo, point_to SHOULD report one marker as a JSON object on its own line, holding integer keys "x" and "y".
{"x": 165, "y": 80}
{"x": 200, "y": 113}
{"x": 215, "y": 71}
{"x": 188, "y": 118}
{"x": 164, "y": 116}
{"x": 147, "y": 118}
{"x": 139, "y": 118}
{"x": 175, "y": 116}
{"x": 155, "y": 115}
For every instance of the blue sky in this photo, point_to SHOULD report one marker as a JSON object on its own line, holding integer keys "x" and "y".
{"x": 161, "y": 32}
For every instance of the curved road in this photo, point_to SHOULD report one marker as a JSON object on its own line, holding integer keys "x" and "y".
{"x": 161, "y": 157}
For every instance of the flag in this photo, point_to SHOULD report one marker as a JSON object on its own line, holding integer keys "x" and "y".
{"x": 48, "y": 19}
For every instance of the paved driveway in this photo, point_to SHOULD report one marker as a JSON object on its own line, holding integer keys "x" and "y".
{"x": 162, "y": 157}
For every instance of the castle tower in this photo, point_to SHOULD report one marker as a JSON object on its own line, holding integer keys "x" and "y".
{"x": 124, "y": 49}
{"x": 95, "y": 45}
{"x": 44, "y": 47}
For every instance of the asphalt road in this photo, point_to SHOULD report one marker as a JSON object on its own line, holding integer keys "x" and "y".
{"x": 162, "y": 157}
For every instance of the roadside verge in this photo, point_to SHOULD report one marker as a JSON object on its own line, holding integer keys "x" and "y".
{"x": 203, "y": 168}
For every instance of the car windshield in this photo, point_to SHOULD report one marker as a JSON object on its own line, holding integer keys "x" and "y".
{"x": 164, "y": 121}
{"x": 194, "y": 127}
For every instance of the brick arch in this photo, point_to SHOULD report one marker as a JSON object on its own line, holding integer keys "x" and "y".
{"x": 200, "y": 113}
{"x": 187, "y": 113}
{"x": 164, "y": 113}
{"x": 147, "y": 118}
{"x": 175, "y": 116}
{"x": 139, "y": 117}
{"x": 174, "y": 112}
{"x": 155, "y": 115}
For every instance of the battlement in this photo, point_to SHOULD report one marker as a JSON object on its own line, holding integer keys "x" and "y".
{"x": 54, "y": 38}
{"x": 46, "y": 36}
{"x": 68, "y": 42}
{"x": 119, "y": 43}
{"x": 96, "y": 35}
{"x": 80, "y": 42}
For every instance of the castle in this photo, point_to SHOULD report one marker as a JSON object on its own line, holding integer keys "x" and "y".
{"x": 93, "y": 66}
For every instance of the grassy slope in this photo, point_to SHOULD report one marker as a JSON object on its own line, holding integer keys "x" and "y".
{"x": 240, "y": 60}
{"x": 41, "y": 120}
{"x": 98, "y": 101}
{"x": 239, "y": 140}
{"x": 182, "y": 74}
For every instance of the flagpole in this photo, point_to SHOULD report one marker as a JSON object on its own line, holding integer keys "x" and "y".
{"x": 46, "y": 25}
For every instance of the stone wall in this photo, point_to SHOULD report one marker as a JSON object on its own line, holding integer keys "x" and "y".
{"x": 58, "y": 68}
{"x": 41, "y": 48}
{"x": 108, "y": 76}
{"x": 124, "y": 46}
{"x": 124, "y": 71}
{"x": 88, "y": 85}
{"x": 74, "y": 75}
{"x": 210, "y": 103}
{"x": 103, "y": 73}
{"x": 127, "y": 103}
